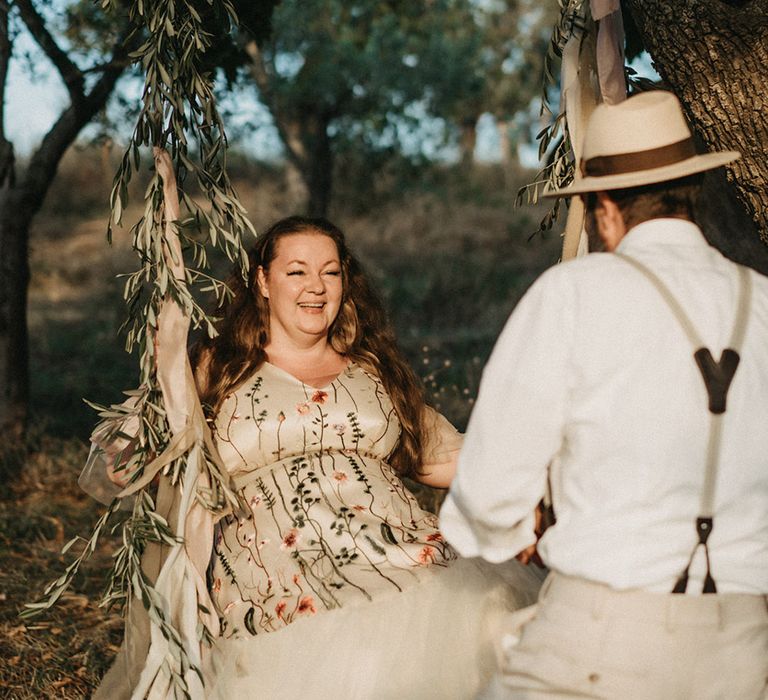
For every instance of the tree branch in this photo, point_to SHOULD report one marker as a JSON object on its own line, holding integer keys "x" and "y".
{"x": 69, "y": 72}
{"x": 44, "y": 161}
{"x": 6, "y": 47}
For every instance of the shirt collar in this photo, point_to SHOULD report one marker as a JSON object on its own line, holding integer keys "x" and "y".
{"x": 665, "y": 232}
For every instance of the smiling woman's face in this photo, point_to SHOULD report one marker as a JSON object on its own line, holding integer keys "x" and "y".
{"x": 304, "y": 287}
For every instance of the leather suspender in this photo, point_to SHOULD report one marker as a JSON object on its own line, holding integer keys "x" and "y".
{"x": 717, "y": 378}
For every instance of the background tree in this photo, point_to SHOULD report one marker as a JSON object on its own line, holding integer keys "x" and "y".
{"x": 515, "y": 34}
{"x": 89, "y": 60}
{"x": 172, "y": 470}
{"x": 362, "y": 76}
{"x": 89, "y": 45}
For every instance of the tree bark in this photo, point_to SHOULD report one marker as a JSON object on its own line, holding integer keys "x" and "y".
{"x": 713, "y": 55}
{"x": 14, "y": 276}
{"x": 14, "y": 340}
{"x": 318, "y": 168}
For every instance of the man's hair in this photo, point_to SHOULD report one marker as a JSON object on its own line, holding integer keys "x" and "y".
{"x": 674, "y": 198}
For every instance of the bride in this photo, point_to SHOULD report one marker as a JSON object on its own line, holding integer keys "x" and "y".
{"x": 334, "y": 582}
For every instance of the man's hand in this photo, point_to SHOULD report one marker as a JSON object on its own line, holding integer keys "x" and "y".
{"x": 543, "y": 519}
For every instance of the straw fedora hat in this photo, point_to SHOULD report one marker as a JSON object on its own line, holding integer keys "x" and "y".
{"x": 640, "y": 141}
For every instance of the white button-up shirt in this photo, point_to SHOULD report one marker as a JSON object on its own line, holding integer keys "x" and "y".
{"x": 594, "y": 375}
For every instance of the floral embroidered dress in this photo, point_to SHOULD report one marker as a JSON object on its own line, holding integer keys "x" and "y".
{"x": 336, "y": 549}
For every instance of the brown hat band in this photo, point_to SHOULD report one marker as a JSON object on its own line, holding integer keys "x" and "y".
{"x": 600, "y": 166}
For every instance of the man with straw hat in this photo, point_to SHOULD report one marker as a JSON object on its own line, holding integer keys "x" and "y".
{"x": 635, "y": 383}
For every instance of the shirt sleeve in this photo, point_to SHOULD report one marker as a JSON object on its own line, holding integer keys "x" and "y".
{"x": 516, "y": 427}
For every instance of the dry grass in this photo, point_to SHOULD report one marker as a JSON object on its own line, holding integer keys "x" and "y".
{"x": 449, "y": 255}
{"x": 63, "y": 653}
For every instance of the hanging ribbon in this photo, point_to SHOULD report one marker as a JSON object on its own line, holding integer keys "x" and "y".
{"x": 579, "y": 98}
{"x": 592, "y": 72}
{"x": 610, "y": 50}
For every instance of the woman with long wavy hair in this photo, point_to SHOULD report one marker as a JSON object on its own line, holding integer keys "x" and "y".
{"x": 337, "y": 583}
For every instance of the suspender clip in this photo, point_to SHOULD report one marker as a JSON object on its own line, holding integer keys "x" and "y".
{"x": 704, "y": 528}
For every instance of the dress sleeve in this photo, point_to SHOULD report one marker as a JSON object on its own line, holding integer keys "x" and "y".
{"x": 113, "y": 441}
{"x": 516, "y": 428}
{"x": 441, "y": 439}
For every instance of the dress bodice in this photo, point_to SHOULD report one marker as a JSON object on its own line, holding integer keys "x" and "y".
{"x": 274, "y": 416}
{"x": 331, "y": 524}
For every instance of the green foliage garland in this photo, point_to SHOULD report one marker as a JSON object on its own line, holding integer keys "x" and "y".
{"x": 178, "y": 112}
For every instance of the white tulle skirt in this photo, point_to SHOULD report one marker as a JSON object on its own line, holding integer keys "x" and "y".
{"x": 434, "y": 640}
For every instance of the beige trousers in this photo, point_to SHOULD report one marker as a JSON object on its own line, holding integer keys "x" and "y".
{"x": 586, "y": 640}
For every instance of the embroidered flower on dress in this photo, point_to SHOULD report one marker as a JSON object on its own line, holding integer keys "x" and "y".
{"x": 291, "y": 539}
{"x": 254, "y": 501}
{"x": 296, "y": 579}
{"x": 280, "y": 609}
{"x": 229, "y": 606}
{"x": 359, "y": 509}
{"x": 280, "y": 417}
{"x": 302, "y": 409}
{"x": 427, "y": 555}
{"x": 319, "y": 397}
{"x": 307, "y": 605}
{"x": 339, "y": 475}
{"x": 435, "y": 537}
{"x": 339, "y": 428}
{"x": 216, "y": 586}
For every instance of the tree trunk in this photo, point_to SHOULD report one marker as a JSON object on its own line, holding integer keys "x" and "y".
{"x": 504, "y": 128}
{"x": 304, "y": 134}
{"x": 297, "y": 194}
{"x": 726, "y": 224}
{"x": 14, "y": 276}
{"x": 14, "y": 340}
{"x": 20, "y": 200}
{"x": 318, "y": 167}
{"x": 713, "y": 56}
{"x": 468, "y": 140}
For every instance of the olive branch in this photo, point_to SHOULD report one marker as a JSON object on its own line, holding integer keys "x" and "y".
{"x": 555, "y": 149}
{"x": 178, "y": 112}
{"x": 554, "y": 141}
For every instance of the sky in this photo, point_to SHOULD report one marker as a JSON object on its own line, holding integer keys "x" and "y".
{"x": 31, "y": 105}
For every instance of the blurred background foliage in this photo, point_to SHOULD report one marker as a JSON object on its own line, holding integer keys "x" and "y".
{"x": 444, "y": 246}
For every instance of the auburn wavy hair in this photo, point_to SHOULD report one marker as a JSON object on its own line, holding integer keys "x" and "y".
{"x": 361, "y": 332}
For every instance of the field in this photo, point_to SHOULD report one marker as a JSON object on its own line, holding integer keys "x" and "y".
{"x": 447, "y": 250}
